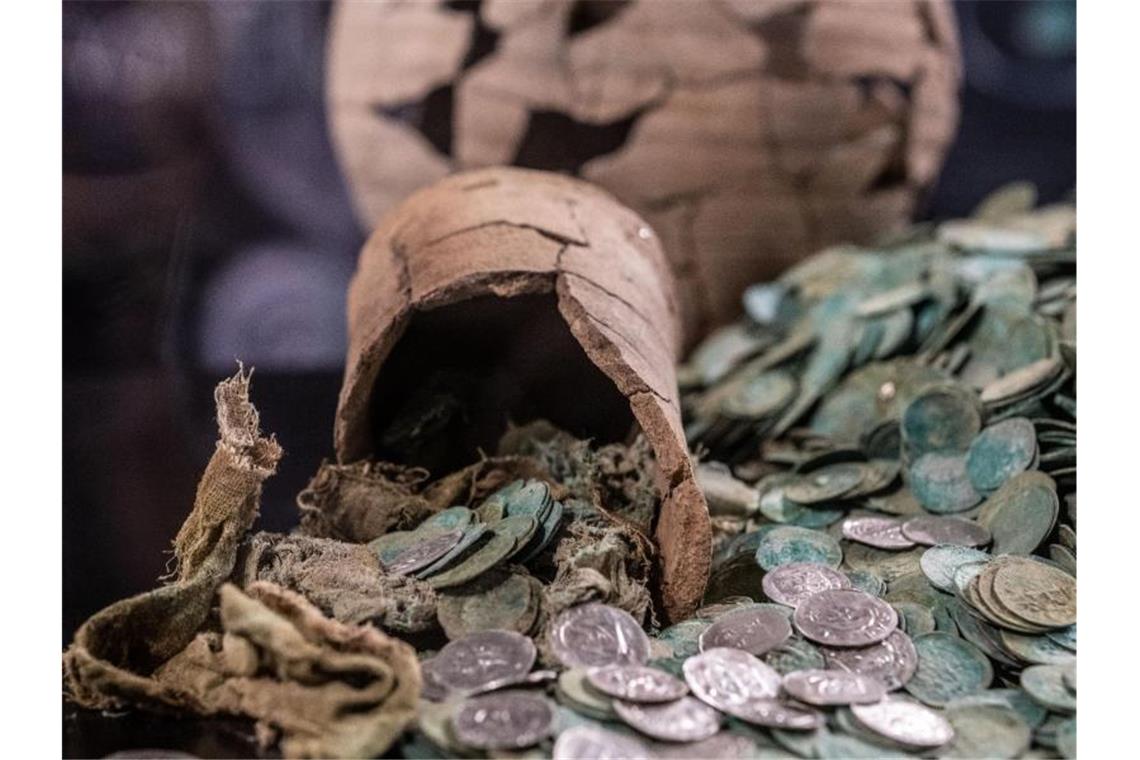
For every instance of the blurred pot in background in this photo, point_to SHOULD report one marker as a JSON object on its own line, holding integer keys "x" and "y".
{"x": 749, "y": 134}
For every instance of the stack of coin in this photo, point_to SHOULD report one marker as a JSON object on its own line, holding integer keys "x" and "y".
{"x": 889, "y": 444}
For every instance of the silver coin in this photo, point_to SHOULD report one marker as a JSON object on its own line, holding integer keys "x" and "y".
{"x": 880, "y": 532}
{"x": 422, "y": 553}
{"x": 729, "y": 678}
{"x": 535, "y": 677}
{"x": 892, "y": 661}
{"x": 931, "y": 530}
{"x": 636, "y": 683}
{"x": 683, "y": 720}
{"x": 794, "y": 582}
{"x": 483, "y": 660}
{"x": 845, "y": 618}
{"x": 777, "y": 713}
{"x": 433, "y": 690}
{"x": 506, "y": 720}
{"x": 755, "y": 630}
{"x": 597, "y": 743}
{"x": 833, "y": 687}
{"x": 905, "y": 722}
{"x": 592, "y": 635}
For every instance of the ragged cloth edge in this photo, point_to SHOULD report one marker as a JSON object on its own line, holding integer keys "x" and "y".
{"x": 128, "y": 653}
{"x": 502, "y": 231}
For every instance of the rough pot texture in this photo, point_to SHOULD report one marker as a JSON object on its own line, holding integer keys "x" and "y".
{"x": 599, "y": 299}
{"x": 749, "y": 133}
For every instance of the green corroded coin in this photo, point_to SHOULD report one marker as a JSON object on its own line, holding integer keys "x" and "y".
{"x": 545, "y": 532}
{"x": 987, "y": 730}
{"x": 452, "y": 518}
{"x": 914, "y": 619}
{"x": 574, "y": 691}
{"x": 495, "y": 600}
{"x": 888, "y": 565}
{"x": 867, "y": 582}
{"x": 939, "y": 482}
{"x": 391, "y": 545}
{"x": 684, "y": 637}
{"x": 1046, "y": 684}
{"x": 775, "y": 507}
{"x": 1036, "y": 650}
{"x": 826, "y": 483}
{"x": 1066, "y": 637}
{"x": 532, "y": 499}
{"x": 1021, "y": 513}
{"x": 948, "y": 668}
{"x": 1067, "y": 738}
{"x": 504, "y": 537}
{"x": 943, "y": 418}
{"x": 760, "y": 396}
{"x": 1001, "y": 451}
{"x": 835, "y": 746}
{"x": 788, "y": 543}
{"x": 470, "y": 537}
{"x": 939, "y": 563}
{"x": 794, "y": 653}
{"x": 1015, "y": 699}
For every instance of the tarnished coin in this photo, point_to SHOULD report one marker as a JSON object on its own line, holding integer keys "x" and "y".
{"x": 931, "y": 530}
{"x": 592, "y": 635}
{"x": 990, "y": 731}
{"x": 1001, "y": 451}
{"x": 794, "y": 582}
{"x": 504, "y": 720}
{"x": 1046, "y": 685}
{"x": 832, "y": 687}
{"x": 868, "y": 582}
{"x": 892, "y": 661}
{"x": 753, "y": 630}
{"x": 845, "y": 618}
{"x": 597, "y": 743}
{"x": 948, "y": 668}
{"x": 496, "y": 600}
{"x": 1015, "y": 699}
{"x": 1017, "y": 382}
{"x": 636, "y": 683}
{"x": 452, "y": 518}
{"x": 1021, "y": 514}
{"x": 1066, "y": 637}
{"x": 728, "y": 678}
{"x": 482, "y": 659}
{"x": 471, "y": 536}
{"x": 939, "y": 564}
{"x": 1067, "y": 738}
{"x": 796, "y": 653}
{"x": 905, "y": 722}
{"x": 788, "y": 543}
{"x": 881, "y": 532}
{"x": 1037, "y": 593}
{"x": 683, "y": 720}
{"x": 939, "y": 481}
{"x": 573, "y": 690}
{"x": 759, "y": 396}
{"x": 825, "y": 484}
{"x": 485, "y": 555}
{"x": 942, "y": 418}
{"x": 423, "y": 553}
{"x": 1035, "y": 650}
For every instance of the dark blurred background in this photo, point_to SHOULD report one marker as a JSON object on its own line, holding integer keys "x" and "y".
{"x": 204, "y": 220}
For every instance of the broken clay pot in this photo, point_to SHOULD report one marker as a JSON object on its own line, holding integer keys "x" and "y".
{"x": 546, "y": 298}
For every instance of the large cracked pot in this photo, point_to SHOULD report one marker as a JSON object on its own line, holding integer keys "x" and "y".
{"x": 748, "y": 133}
{"x": 513, "y": 295}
